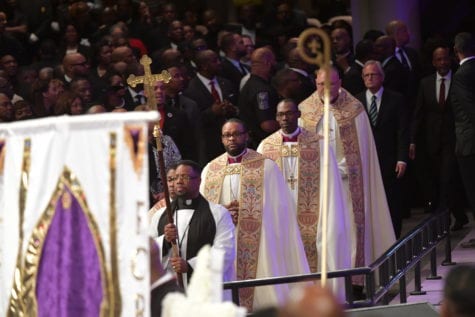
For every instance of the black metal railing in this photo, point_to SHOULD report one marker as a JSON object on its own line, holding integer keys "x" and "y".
{"x": 384, "y": 273}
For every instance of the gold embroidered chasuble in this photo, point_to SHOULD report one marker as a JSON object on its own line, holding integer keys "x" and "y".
{"x": 251, "y": 171}
{"x": 344, "y": 110}
{"x": 307, "y": 152}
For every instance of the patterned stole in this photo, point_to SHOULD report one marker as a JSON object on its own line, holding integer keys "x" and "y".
{"x": 308, "y": 195}
{"x": 344, "y": 110}
{"x": 249, "y": 225}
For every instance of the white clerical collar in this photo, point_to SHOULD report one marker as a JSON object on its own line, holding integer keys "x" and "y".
{"x": 446, "y": 77}
{"x": 293, "y": 134}
{"x": 236, "y": 158}
{"x": 466, "y": 59}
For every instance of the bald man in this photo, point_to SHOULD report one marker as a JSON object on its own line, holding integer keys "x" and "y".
{"x": 312, "y": 301}
{"x": 258, "y": 99}
{"x": 74, "y": 65}
{"x": 352, "y": 141}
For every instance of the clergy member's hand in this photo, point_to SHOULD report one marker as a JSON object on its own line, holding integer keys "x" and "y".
{"x": 400, "y": 169}
{"x": 179, "y": 265}
{"x": 233, "y": 208}
{"x": 170, "y": 232}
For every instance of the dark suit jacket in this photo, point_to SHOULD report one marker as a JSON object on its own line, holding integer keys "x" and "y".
{"x": 308, "y": 87}
{"x": 177, "y": 127}
{"x": 432, "y": 126}
{"x": 352, "y": 80}
{"x": 413, "y": 77}
{"x": 396, "y": 76}
{"x": 130, "y": 103}
{"x": 231, "y": 73}
{"x": 391, "y": 133}
{"x": 212, "y": 146}
{"x": 463, "y": 104}
{"x": 190, "y": 108}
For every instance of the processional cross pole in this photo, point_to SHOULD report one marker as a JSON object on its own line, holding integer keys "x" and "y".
{"x": 314, "y": 48}
{"x": 149, "y": 81}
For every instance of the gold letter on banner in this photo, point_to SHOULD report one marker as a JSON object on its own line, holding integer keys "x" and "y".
{"x": 139, "y": 275}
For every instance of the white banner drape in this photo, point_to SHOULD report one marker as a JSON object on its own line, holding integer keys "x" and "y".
{"x": 94, "y": 168}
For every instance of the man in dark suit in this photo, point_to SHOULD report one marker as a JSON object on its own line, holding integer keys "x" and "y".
{"x": 406, "y": 55}
{"x": 342, "y": 45}
{"x": 304, "y": 73}
{"x": 352, "y": 80}
{"x": 433, "y": 138}
{"x": 463, "y": 104}
{"x": 388, "y": 116}
{"x": 216, "y": 99}
{"x": 396, "y": 76}
{"x": 177, "y": 101}
{"x": 231, "y": 67}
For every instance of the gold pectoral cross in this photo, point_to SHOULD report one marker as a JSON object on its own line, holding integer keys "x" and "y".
{"x": 292, "y": 180}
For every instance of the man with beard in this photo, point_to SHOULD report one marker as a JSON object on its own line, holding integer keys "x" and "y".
{"x": 231, "y": 68}
{"x": 196, "y": 222}
{"x": 258, "y": 99}
{"x": 252, "y": 188}
{"x": 299, "y": 154}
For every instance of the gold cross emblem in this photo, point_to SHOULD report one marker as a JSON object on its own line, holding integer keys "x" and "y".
{"x": 149, "y": 80}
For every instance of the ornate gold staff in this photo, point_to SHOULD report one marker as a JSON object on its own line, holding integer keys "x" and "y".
{"x": 149, "y": 81}
{"x": 308, "y": 41}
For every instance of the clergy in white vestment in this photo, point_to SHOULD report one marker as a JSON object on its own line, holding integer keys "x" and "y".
{"x": 299, "y": 154}
{"x": 253, "y": 189}
{"x": 197, "y": 222}
{"x": 353, "y": 144}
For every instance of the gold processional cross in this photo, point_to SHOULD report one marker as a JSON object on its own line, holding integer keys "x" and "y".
{"x": 149, "y": 81}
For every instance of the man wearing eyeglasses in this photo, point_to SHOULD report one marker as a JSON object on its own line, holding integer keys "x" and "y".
{"x": 74, "y": 65}
{"x": 355, "y": 151}
{"x": 387, "y": 111}
{"x": 196, "y": 222}
{"x": 254, "y": 191}
{"x": 299, "y": 154}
